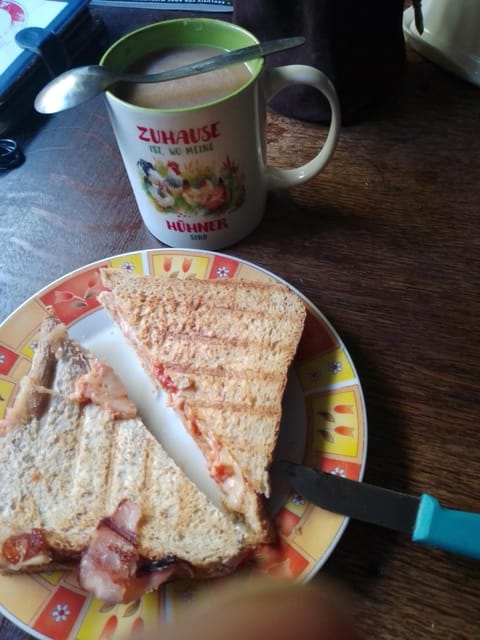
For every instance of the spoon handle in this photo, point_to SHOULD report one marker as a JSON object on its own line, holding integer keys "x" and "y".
{"x": 217, "y": 62}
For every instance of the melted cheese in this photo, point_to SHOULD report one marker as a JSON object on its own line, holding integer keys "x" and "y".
{"x": 102, "y": 386}
{"x": 35, "y": 561}
{"x": 225, "y": 470}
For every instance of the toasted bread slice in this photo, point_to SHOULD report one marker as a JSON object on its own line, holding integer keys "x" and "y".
{"x": 221, "y": 349}
{"x": 72, "y": 451}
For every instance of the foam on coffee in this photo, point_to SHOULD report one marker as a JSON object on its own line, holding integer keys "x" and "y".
{"x": 183, "y": 92}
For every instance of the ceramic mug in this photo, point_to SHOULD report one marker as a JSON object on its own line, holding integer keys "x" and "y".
{"x": 199, "y": 173}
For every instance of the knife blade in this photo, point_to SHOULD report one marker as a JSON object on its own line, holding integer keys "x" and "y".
{"x": 421, "y": 517}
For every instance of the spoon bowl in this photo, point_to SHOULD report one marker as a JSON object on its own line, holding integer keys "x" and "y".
{"x": 75, "y": 86}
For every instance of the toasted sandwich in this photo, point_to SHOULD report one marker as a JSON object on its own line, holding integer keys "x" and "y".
{"x": 85, "y": 486}
{"x": 221, "y": 350}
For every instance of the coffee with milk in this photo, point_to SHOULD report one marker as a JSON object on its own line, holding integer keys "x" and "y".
{"x": 184, "y": 92}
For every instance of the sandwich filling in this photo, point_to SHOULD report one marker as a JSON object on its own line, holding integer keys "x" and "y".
{"x": 109, "y": 568}
{"x": 24, "y": 550}
{"x": 102, "y": 386}
{"x": 221, "y": 464}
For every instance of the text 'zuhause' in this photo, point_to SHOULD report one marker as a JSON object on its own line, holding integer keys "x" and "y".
{"x": 193, "y": 135}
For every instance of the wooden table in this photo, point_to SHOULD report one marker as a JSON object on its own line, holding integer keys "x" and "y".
{"x": 385, "y": 242}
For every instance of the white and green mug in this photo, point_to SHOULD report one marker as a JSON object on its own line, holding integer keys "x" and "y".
{"x": 199, "y": 173}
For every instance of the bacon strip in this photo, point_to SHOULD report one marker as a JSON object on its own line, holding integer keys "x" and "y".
{"x": 109, "y": 567}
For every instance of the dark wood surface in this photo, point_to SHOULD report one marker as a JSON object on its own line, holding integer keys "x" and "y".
{"x": 385, "y": 242}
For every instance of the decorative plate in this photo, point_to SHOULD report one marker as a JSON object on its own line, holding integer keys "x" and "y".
{"x": 323, "y": 425}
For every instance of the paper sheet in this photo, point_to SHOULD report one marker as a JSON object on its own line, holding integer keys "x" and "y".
{"x": 18, "y": 15}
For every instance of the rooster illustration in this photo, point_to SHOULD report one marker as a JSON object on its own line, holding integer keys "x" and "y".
{"x": 173, "y": 179}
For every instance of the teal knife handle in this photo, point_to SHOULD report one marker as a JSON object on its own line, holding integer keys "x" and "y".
{"x": 457, "y": 531}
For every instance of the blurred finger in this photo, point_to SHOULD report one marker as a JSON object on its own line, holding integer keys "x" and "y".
{"x": 266, "y": 610}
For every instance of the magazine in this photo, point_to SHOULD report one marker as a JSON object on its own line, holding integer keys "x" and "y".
{"x": 172, "y": 5}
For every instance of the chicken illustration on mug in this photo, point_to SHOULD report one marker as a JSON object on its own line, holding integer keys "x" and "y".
{"x": 196, "y": 189}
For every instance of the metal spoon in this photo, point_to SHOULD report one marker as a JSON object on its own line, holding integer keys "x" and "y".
{"x": 75, "y": 86}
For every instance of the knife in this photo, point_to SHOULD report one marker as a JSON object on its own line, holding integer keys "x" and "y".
{"x": 422, "y": 517}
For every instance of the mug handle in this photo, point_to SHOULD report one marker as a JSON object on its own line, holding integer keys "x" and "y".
{"x": 277, "y": 79}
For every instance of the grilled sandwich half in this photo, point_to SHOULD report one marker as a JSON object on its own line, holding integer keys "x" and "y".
{"x": 221, "y": 350}
{"x": 86, "y": 486}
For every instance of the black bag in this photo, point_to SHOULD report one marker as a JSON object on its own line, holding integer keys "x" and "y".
{"x": 358, "y": 44}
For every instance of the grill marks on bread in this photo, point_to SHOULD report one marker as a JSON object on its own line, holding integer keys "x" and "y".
{"x": 214, "y": 335}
